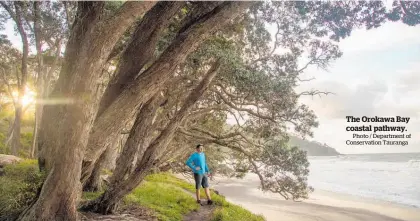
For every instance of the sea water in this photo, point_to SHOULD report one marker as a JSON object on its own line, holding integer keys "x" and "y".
{"x": 391, "y": 177}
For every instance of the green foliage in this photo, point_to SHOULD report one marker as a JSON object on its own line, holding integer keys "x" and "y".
{"x": 3, "y": 148}
{"x": 26, "y": 142}
{"x": 406, "y": 11}
{"x": 168, "y": 201}
{"x": 168, "y": 178}
{"x": 18, "y": 186}
{"x": 232, "y": 212}
{"x": 91, "y": 195}
{"x": 285, "y": 170}
{"x": 225, "y": 211}
{"x": 106, "y": 172}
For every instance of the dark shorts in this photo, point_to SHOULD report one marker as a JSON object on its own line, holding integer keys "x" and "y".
{"x": 201, "y": 180}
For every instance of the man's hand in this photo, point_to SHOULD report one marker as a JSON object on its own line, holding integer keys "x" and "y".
{"x": 197, "y": 168}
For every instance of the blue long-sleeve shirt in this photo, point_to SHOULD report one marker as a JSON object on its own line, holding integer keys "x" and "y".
{"x": 198, "y": 160}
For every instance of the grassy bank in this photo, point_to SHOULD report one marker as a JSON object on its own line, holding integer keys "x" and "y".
{"x": 225, "y": 210}
{"x": 168, "y": 197}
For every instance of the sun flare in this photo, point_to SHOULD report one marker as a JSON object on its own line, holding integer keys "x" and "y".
{"x": 28, "y": 97}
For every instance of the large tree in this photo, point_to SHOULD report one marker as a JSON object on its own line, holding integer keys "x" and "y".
{"x": 16, "y": 11}
{"x": 65, "y": 127}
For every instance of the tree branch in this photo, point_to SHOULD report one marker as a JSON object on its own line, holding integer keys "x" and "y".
{"x": 233, "y": 105}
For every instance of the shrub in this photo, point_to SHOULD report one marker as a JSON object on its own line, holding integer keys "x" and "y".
{"x": 18, "y": 187}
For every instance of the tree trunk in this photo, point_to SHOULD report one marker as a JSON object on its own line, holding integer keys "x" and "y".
{"x": 94, "y": 183}
{"x": 17, "y": 16}
{"x": 111, "y": 121}
{"x": 43, "y": 91}
{"x": 137, "y": 141}
{"x": 140, "y": 49}
{"x": 65, "y": 128}
{"x": 106, "y": 161}
{"x": 40, "y": 80}
{"x": 15, "y": 139}
{"x": 109, "y": 200}
{"x": 137, "y": 54}
{"x": 90, "y": 50}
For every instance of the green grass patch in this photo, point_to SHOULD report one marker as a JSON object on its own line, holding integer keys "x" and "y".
{"x": 162, "y": 192}
{"x": 90, "y": 195}
{"x": 168, "y": 178}
{"x": 225, "y": 212}
{"x": 168, "y": 202}
{"x": 234, "y": 213}
{"x": 18, "y": 186}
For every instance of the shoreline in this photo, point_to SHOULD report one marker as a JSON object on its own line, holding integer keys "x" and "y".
{"x": 322, "y": 205}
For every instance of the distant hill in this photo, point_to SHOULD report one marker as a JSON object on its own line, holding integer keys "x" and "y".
{"x": 313, "y": 148}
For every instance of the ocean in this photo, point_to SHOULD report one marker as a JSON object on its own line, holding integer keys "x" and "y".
{"x": 390, "y": 177}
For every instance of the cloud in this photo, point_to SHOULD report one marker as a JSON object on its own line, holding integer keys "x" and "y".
{"x": 358, "y": 101}
{"x": 395, "y": 95}
{"x": 407, "y": 80}
{"x": 391, "y": 34}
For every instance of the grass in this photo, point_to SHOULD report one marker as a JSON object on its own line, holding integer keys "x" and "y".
{"x": 163, "y": 193}
{"x": 18, "y": 186}
{"x": 169, "y": 203}
{"x": 225, "y": 212}
{"x": 234, "y": 213}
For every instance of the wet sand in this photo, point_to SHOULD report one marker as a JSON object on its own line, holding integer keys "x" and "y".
{"x": 321, "y": 205}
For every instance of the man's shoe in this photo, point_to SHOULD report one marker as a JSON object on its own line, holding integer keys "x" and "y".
{"x": 209, "y": 202}
{"x": 199, "y": 202}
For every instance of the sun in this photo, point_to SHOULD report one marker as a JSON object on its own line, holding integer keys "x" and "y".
{"x": 28, "y": 97}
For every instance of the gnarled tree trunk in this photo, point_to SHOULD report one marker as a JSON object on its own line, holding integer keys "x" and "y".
{"x": 65, "y": 128}
{"x": 40, "y": 81}
{"x": 137, "y": 141}
{"x": 137, "y": 54}
{"x": 125, "y": 106}
{"x": 109, "y": 200}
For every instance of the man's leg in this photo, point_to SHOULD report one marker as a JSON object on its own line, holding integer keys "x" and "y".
{"x": 208, "y": 193}
{"x": 198, "y": 180}
{"x": 197, "y": 194}
{"x": 205, "y": 184}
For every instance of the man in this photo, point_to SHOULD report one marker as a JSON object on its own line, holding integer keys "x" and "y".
{"x": 197, "y": 163}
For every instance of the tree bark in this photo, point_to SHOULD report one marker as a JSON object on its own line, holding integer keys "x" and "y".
{"x": 154, "y": 78}
{"x": 15, "y": 139}
{"x": 89, "y": 50}
{"x": 109, "y": 200}
{"x": 65, "y": 128}
{"x": 43, "y": 90}
{"x": 40, "y": 82}
{"x": 137, "y": 141}
{"x": 93, "y": 184}
{"x": 137, "y": 54}
{"x": 140, "y": 49}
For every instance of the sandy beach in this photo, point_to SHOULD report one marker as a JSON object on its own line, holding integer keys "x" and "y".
{"x": 321, "y": 206}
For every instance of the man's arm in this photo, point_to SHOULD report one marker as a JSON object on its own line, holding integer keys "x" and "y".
{"x": 189, "y": 162}
{"x": 207, "y": 167}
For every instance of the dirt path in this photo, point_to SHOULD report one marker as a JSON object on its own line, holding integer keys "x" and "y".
{"x": 128, "y": 213}
{"x": 203, "y": 213}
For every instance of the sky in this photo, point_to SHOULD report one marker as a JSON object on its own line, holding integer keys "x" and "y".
{"x": 378, "y": 75}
